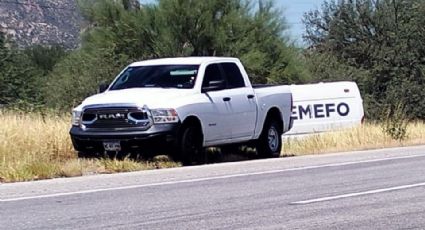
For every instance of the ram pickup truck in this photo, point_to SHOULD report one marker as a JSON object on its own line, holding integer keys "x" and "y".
{"x": 185, "y": 103}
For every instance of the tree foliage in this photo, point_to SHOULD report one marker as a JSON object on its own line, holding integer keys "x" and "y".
{"x": 23, "y": 73}
{"x": 17, "y": 76}
{"x": 378, "y": 44}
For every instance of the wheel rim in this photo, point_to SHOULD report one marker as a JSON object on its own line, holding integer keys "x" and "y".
{"x": 273, "y": 140}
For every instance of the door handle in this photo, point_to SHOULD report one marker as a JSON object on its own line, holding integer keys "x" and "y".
{"x": 227, "y": 98}
{"x": 250, "y": 96}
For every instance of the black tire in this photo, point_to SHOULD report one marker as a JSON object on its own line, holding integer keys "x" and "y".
{"x": 190, "y": 145}
{"x": 270, "y": 142}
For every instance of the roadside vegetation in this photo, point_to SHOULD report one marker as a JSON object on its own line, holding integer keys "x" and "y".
{"x": 364, "y": 137}
{"x": 35, "y": 146}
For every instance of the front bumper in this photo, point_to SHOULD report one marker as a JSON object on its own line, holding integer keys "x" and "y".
{"x": 155, "y": 137}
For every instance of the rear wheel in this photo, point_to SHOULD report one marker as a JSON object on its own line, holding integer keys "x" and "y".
{"x": 190, "y": 145}
{"x": 270, "y": 142}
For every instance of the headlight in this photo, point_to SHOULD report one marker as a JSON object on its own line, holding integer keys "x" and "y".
{"x": 164, "y": 116}
{"x": 76, "y": 117}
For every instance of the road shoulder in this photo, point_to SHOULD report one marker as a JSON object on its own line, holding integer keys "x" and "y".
{"x": 97, "y": 183}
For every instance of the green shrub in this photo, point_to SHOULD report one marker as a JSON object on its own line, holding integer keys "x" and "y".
{"x": 395, "y": 122}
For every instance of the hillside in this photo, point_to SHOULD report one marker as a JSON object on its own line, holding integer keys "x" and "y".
{"x": 44, "y": 22}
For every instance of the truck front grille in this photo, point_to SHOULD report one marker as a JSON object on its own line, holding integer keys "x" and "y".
{"x": 115, "y": 119}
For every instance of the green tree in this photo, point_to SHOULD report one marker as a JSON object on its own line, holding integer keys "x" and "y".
{"x": 18, "y": 79}
{"x": 254, "y": 33}
{"x": 378, "y": 44}
{"x": 45, "y": 58}
{"x": 4, "y": 68}
{"x": 77, "y": 77}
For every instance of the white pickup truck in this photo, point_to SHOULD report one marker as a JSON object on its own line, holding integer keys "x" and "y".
{"x": 184, "y": 103}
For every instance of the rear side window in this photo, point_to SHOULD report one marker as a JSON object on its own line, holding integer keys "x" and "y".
{"x": 233, "y": 75}
{"x": 212, "y": 73}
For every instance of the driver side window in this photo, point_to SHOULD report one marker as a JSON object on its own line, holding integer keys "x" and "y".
{"x": 212, "y": 73}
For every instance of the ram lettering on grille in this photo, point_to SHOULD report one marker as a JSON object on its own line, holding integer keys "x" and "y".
{"x": 112, "y": 116}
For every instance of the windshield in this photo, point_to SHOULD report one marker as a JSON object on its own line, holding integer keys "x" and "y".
{"x": 159, "y": 76}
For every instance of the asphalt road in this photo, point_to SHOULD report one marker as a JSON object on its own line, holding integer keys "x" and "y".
{"x": 383, "y": 189}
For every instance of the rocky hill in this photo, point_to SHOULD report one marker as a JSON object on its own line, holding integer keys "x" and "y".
{"x": 44, "y": 22}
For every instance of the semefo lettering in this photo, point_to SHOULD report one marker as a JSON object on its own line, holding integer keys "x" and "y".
{"x": 320, "y": 110}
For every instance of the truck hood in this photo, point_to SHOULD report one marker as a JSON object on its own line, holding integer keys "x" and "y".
{"x": 151, "y": 97}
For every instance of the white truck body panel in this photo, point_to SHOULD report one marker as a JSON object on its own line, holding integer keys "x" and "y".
{"x": 269, "y": 97}
{"x": 325, "y": 107}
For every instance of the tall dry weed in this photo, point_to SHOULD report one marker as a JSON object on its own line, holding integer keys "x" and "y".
{"x": 37, "y": 146}
{"x": 367, "y": 136}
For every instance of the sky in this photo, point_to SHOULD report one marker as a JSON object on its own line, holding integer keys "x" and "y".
{"x": 294, "y": 11}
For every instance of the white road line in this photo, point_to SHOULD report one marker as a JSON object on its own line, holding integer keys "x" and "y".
{"x": 205, "y": 179}
{"x": 370, "y": 192}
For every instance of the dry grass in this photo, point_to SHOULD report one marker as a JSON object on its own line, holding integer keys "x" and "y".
{"x": 34, "y": 147}
{"x": 368, "y": 136}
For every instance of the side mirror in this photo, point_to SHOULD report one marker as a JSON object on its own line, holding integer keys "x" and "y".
{"x": 213, "y": 86}
{"x": 103, "y": 87}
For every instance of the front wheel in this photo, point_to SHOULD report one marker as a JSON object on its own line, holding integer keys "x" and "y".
{"x": 270, "y": 142}
{"x": 190, "y": 145}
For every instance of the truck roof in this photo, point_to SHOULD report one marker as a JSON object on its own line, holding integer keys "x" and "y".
{"x": 182, "y": 61}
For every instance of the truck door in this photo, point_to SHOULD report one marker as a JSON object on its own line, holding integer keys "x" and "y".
{"x": 242, "y": 102}
{"x": 216, "y": 112}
